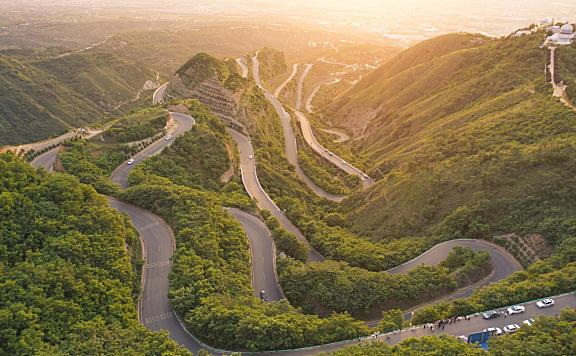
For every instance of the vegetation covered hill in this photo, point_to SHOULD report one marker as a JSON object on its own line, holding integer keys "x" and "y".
{"x": 273, "y": 67}
{"x": 36, "y": 105}
{"x": 67, "y": 287}
{"x": 400, "y": 81}
{"x": 202, "y": 67}
{"x": 469, "y": 144}
{"x": 43, "y": 96}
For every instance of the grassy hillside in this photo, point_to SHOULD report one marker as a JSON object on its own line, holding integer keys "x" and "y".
{"x": 203, "y": 66}
{"x": 36, "y": 105}
{"x": 470, "y": 144}
{"x": 43, "y": 97}
{"x": 399, "y": 79}
{"x": 104, "y": 78}
{"x": 273, "y": 67}
{"x": 566, "y": 60}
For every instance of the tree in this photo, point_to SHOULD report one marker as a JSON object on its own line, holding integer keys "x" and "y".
{"x": 391, "y": 320}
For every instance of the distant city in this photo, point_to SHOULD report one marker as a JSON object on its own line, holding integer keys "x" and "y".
{"x": 425, "y": 19}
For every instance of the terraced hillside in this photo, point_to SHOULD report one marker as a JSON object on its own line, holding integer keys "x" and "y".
{"x": 42, "y": 97}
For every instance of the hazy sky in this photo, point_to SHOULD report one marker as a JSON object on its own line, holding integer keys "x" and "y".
{"x": 402, "y": 19}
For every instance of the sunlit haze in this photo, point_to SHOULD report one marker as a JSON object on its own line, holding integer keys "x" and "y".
{"x": 397, "y": 19}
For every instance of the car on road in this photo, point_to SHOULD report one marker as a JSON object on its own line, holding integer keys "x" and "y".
{"x": 493, "y": 331}
{"x": 512, "y": 328}
{"x": 490, "y": 314}
{"x": 545, "y": 303}
{"x": 251, "y": 157}
{"x": 130, "y": 161}
{"x": 517, "y": 309}
{"x": 168, "y": 138}
{"x": 264, "y": 296}
{"x": 529, "y": 322}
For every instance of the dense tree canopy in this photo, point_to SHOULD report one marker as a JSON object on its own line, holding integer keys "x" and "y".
{"x": 67, "y": 282}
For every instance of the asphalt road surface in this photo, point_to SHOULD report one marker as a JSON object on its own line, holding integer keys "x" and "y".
{"x": 243, "y": 67}
{"x": 331, "y": 157}
{"x": 288, "y": 80}
{"x": 158, "y": 96}
{"x": 185, "y": 123}
{"x": 263, "y": 255}
{"x": 291, "y": 147}
{"x": 503, "y": 262}
{"x": 463, "y": 327}
{"x": 301, "y": 85}
{"x": 155, "y": 311}
{"x": 46, "y": 159}
{"x": 256, "y": 192}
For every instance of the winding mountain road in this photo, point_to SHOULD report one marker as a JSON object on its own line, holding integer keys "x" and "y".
{"x": 303, "y": 76}
{"x": 291, "y": 148}
{"x": 243, "y": 67}
{"x": 317, "y": 147}
{"x": 310, "y": 139}
{"x": 263, "y": 255}
{"x": 256, "y": 192}
{"x": 156, "y": 313}
{"x": 288, "y": 80}
{"x": 184, "y": 124}
{"x": 159, "y": 93}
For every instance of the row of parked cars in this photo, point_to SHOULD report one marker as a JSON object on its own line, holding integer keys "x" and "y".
{"x": 516, "y": 309}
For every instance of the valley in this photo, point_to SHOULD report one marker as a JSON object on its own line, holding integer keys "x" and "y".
{"x": 286, "y": 190}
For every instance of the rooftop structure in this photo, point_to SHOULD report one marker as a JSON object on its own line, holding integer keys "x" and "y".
{"x": 561, "y": 35}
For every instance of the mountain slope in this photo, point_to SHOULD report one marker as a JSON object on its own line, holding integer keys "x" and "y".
{"x": 35, "y": 105}
{"x": 471, "y": 144}
{"x": 43, "y": 97}
{"x": 104, "y": 78}
{"x": 402, "y": 73}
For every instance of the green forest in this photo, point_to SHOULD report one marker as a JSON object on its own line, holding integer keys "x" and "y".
{"x": 210, "y": 281}
{"x": 69, "y": 270}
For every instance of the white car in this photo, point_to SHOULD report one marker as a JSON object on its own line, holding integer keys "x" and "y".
{"x": 130, "y": 161}
{"x": 463, "y": 338}
{"x": 251, "y": 157}
{"x": 493, "y": 331}
{"x": 528, "y": 322}
{"x": 517, "y": 309}
{"x": 512, "y": 328}
{"x": 545, "y": 303}
{"x": 168, "y": 138}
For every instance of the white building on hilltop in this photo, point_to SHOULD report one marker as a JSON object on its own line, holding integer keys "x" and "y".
{"x": 561, "y": 35}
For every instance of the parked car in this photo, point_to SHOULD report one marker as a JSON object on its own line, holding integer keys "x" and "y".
{"x": 528, "y": 322}
{"x": 264, "y": 296}
{"x": 130, "y": 161}
{"x": 493, "y": 331}
{"x": 512, "y": 328}
{"x": 517, "y": 309}
{"x": 545, "y": 303}
{"x": 168, "y": 138}
{"x": 490, "y": 314}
